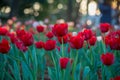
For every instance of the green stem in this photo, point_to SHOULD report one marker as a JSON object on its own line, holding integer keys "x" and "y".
{"x": 75, "y": 64}
{"x": 103, "y": 73}
{"x": 91, "y": 56}
{"x": 55, "y": 64}
{"x": 62, "y": 48}
{"x": 63, "y": 74}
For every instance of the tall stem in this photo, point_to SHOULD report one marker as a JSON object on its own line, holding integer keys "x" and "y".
{"x": 75, "y": 64}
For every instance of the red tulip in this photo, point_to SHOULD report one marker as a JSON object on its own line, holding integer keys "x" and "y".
{"x": 113, "y": 40}
{"x": 27, "y": 39}
{"x": 76, "y": 42}
{"x": 4, "y": 46}
{"x": 3, "y": 31}
{"x": 50, "y": 35}
{"x": 64, "y": 61}
{"x": 39, "y": 44}
{"x": 12, "y": 37}
{"x": 21, "y": 46}
{"x": 104, "y": 27}
{"x": 40, "y": 28}
{"x": 107, "y": 59}
{"x": 116, "y": 78}
{"x": 81, "y": 34}
{"x": 49, "y": 45}
{"x": 87, "y": 34}
{"x": 60, "y": 30}
{"x": 64, "y": 38}
{"x": 92, "y": 40}
{"x": 114, "y": 43}
{"x": 20, "y": 33}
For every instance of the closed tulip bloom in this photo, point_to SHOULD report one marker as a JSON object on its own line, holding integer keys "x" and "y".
{"x": 60, "y": 30}
{"x": 3, "y": 31}
{"x": 27, "y": 39}
{"x": 104, "y": 27}
{"x": 4, "y": 46}
{"x": 76, "y": 42}
{"x": 50, "y": 35}
{"x": 64, "y": 61}
{"x": 20, "y": 33}
{"x": 107, "y": 59}
{"x": 40, "y": 28}
{"x": 49, "y": 45}
{"x": 39, "y": 44}
{"x": 92, "y": 40}
{"x": 87, "y": 34}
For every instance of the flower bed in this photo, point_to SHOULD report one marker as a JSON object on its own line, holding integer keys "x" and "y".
{"x": 59, "y": 54}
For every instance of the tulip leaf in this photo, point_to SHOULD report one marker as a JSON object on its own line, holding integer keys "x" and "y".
{"x": 35, "y": 63}
{"x": 27, "y": 72}
{"x": 2, "y": 75}
{"x": 51, "y": 73}
{"x": 67, "y": 72}
{"x": 77, "y": 72}
{"x": 8, "y": 76}
{"x": 15, "y": 70}
{"x": 85, "y": 72}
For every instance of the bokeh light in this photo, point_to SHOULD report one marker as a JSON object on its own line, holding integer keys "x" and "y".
{"x": 92, "y": 6}
{"x": 60, "y": 6}
{"x": 50, "y": 1}
{"x": 36, "y": 6}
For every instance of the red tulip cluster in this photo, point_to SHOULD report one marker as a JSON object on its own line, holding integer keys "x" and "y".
{"x": 59, "y": 34}
{"x": 22, "y": 39}
{"x": 59, "y": 30}
{"x": 113, "y": 40}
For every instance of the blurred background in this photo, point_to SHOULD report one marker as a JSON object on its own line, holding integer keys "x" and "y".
{"x": 78, "y": 13}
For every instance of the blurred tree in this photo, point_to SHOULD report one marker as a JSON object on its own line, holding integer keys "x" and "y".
{"x": 69, "y": 12}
